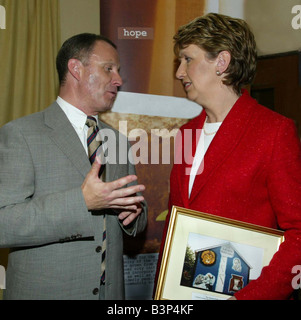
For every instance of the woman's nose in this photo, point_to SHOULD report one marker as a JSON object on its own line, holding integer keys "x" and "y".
{"x": 181, "y": 72}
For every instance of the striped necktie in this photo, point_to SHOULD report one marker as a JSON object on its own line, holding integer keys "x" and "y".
{"x": 93, "y": 145}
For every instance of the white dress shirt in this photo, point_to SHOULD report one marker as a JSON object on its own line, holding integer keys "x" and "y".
{"x": 78, "y": 120}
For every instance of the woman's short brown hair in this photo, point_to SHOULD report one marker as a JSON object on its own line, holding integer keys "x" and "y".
{"x": 215, "y": 33}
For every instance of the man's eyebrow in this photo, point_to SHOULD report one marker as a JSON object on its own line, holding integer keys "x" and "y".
{"x": 110, "y": 63}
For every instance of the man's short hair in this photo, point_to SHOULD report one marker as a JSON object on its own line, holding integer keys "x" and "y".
{"x": 77, "y": 47}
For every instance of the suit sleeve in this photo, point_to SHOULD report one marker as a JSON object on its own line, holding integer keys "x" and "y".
{"x": 139, "y": 224}
{"x": 284, "y": 186}
{"x": 26, "y": 220}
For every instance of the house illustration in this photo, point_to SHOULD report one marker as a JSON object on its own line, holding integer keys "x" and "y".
{"x": 221, "y": 269}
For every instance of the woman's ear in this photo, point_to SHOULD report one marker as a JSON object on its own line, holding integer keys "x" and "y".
{"x": 223, "y": 61}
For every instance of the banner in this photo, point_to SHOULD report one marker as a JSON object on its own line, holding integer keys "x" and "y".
{"x": 151, "y": 105}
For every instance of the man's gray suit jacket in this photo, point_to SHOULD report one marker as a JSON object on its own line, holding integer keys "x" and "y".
{"x": 55, "y": 242}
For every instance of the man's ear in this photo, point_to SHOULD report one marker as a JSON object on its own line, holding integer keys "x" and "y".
{"x": 223, "y": 61}
{"x": 74, "y": 67}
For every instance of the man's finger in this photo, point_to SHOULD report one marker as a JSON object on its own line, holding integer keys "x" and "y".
{"x": 126, "y": 192}
{"x": 129, "y": 217}
{"x": 125, "y": 202}
{"x": 120, "y": 183}
{"x": 94, "y": 171}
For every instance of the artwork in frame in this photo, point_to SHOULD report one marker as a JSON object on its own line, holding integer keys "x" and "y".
{"x": 207, "y": 257}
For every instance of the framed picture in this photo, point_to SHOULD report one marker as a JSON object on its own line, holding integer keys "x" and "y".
{"x": 207, "y": 257}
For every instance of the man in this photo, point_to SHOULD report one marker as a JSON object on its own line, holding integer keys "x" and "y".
{"x": 54, "y": 205}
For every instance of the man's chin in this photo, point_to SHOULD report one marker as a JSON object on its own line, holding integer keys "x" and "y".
{"x": 107, "y": 107}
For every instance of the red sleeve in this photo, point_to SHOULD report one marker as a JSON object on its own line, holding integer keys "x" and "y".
{"x": 284, "y": 186}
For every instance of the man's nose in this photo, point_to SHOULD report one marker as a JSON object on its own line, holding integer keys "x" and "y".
{"x": 117, "y": 80}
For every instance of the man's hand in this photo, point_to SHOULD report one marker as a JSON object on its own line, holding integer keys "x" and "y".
{"x": 127, "y": 217}
{"x": 111, "y": 195}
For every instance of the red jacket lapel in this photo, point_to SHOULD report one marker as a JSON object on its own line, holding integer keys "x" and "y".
{"x": 185, "y": 150}
{"x": 224, "y": 142}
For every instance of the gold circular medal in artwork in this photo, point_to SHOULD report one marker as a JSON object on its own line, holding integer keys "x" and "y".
{"x": 208, "y": 257}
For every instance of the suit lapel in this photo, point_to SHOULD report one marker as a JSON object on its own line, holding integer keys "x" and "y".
{"x": 225, "y": 141}
{"x": 66, "y": 138}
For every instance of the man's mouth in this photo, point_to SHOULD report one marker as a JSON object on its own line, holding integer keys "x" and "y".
{"x": 113, "y": 92}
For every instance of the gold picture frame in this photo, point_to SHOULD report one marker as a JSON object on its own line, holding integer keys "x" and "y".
{"x": 207, "y": 257}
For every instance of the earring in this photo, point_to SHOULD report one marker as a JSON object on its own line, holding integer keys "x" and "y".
{"x": 218, "y": 73}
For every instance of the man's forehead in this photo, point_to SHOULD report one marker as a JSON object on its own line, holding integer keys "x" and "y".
{"x": 104, "y": 52}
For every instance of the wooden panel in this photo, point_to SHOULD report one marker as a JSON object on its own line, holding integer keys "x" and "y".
{"x": 188, "y": 10}
{"x": 277, "y": 85}
{"x": 184, "y": 14}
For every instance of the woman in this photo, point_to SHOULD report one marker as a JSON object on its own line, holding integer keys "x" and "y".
{"x": 251, "y": 170}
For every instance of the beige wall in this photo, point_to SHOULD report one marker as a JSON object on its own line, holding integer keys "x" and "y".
{"x": 271, "y": 22}
{"x": 78, "y": 16}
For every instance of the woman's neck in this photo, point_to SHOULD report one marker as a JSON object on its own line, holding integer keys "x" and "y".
{"x": 219, "y": 107}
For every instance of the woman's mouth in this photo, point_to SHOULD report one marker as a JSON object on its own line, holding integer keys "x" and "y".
{"x": 187, "y": 85}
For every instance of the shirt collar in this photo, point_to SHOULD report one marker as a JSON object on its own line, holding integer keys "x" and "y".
{"x": 76, "y": 117}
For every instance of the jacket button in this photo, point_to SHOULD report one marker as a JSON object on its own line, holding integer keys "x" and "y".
{"x": 98, "y": 249}
{"x": 95, "y": 291}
